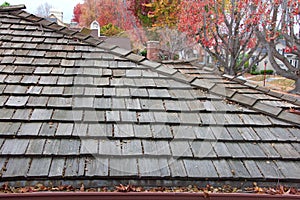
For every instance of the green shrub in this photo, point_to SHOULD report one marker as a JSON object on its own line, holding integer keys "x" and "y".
{"x": 110, "y": 30}
{"x": 176, "y": 57}
{"x": 254, "y": 72}
{"x": 5, "y": 4}
{"x": 254, "y": 68}
{"x": 268, "y": 71}
{"x": 246, "y": 64}
{"x": 144, "y": 52}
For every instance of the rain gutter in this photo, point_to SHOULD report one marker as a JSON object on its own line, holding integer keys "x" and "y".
{"x": 142, "y": 196}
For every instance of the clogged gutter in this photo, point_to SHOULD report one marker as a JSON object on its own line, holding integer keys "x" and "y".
{"x": 135, "y": 192}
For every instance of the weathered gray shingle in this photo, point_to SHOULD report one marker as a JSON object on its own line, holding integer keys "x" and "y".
{"x": 75, "y": 108}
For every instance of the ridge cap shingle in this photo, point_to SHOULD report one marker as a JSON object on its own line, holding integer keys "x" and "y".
{"x": 285, "y": 97}
{"x": 12, "y": 8}
{"x": 242, "y": 99}
{"x": 96, "y": 42}
{"x": 17, "y": 11}
{"x": 89, "y": 39}
{"x": 261, "y": 107}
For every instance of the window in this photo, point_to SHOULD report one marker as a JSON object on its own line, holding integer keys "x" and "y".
{"x": 95, "y": 25}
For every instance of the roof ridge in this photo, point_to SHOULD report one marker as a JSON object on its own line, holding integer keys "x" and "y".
{"x": 234, "y": 96}
{"x": 55, "y": 27}
{"x": 286, "y": 97}
{"x": 247, "y": 101}
{"x": 12, "y": 8}
{"x": 206, "y": 85}
{"x": 114, "y": 49}
{"x": 252, "y": 102}
{"x": 89, "y": 39}
{"x": 179, "y": 61}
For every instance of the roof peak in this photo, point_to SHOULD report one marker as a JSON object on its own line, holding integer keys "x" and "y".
{"x": 12, "y": 8}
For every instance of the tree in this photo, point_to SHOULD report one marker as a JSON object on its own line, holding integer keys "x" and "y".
{"x": 154, "y": 13}
{"x": 114, "y": 12}
{"x": 174, "y": 43}
{"x": 226, "y": 29}
{"x": 280, "y": 24}
{"x": 154, "y": 16}
{"x": 88, "y": 12}
{"x": 165, "y": 12}
{"x": 141, "y": 12}
{"x": 77, "y": 13}
{"x": 43, "y": 10}
{"x": 105, "y": 12}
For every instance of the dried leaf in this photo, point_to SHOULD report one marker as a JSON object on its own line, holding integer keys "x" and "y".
{"x": 5, "y": 186}
{"x": 206, "y": 194}
{"x": 258, "y": 190}
{"x": 70, "y": 188}
{"x": 121, "y": 188}
{"x": 82, "y": 188}
{"x": 24, "y": 190}
{"x": 293, "y": 191}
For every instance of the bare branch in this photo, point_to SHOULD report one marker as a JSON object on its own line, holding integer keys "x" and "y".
{"x": 43, "y": 10}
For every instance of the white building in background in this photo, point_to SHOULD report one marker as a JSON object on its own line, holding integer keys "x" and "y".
{"x": 292, "y": 58}
{"x": 56, "y": 16}
{"x": 57, "y": 13}
{"x": 281, "y": 48}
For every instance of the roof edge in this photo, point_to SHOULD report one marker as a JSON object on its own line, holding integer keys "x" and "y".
{"x": 12, "y": 8}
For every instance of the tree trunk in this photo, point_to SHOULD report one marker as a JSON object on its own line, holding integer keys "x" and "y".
{"x": 296, "y": 90}
{"x": 229, "y": 71}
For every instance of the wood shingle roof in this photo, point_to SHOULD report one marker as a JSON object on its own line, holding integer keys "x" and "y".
{"x": 75, "y": 109}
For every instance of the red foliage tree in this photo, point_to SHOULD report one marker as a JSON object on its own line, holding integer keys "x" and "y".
{"x": 105, "y": 12}
{"x": 88, "y": 14}
{"x": 77, "y": 13}
{"x": 225, "y": 29}
{"x": 113, "y": 12}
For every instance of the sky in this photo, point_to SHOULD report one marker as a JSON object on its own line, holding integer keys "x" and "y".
{"x": 64, "y": 5}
